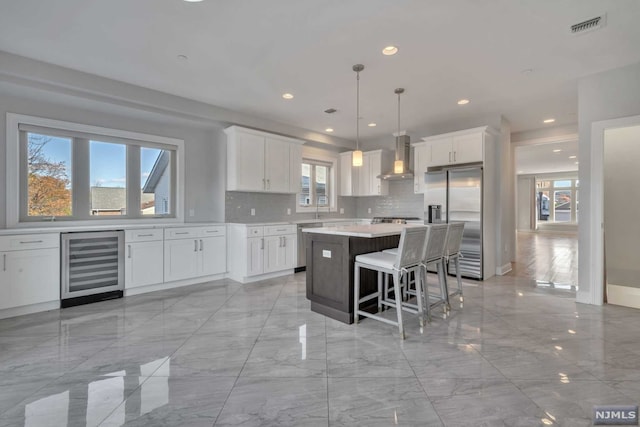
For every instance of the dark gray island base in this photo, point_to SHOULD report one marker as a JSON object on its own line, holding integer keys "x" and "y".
{"x": 330, "y": 261}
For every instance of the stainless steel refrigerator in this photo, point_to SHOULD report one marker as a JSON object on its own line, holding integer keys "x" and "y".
{"x": 459, "y": 192}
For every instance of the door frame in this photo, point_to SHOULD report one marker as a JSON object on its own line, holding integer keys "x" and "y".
{"x": 595, "y": 226}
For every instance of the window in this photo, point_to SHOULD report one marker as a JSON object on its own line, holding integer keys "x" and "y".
{"x": 557, "y": 200}
{"x": 316, "y": 189}
{"x": 69, "y": 172}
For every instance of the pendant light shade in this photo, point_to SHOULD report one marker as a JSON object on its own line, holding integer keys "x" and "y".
{"x": 357, "y": 158}
{"x": 357, "y": 155}
{"x": 398, "y": 166}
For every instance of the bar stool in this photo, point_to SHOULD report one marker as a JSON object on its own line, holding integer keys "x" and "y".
{"x": 434, "y": 255}
{"x": 452, "y": 255}
{"x": 409, "y": 257}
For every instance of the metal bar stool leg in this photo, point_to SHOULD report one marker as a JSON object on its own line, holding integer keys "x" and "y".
{"x": 398, "y": 298}
{"x": 356, "y": 292}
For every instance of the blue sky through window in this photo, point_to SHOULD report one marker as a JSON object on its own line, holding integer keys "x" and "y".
{"x": 108, "y": 160}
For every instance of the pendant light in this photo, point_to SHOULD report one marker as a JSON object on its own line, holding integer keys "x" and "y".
{"x": 398, "y": 165}
{"x": 357, "y": 155}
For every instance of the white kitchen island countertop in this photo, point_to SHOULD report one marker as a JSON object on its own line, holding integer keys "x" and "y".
{"x": 368, "y": 231}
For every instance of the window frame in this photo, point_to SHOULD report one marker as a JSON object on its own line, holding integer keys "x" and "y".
{"x": 16, "y": 196}
{"x": 315, "y": 156}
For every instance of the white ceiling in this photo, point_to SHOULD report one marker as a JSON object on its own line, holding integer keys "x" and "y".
{"x": 541, "y": 158}
{"x": 244, "y": 54}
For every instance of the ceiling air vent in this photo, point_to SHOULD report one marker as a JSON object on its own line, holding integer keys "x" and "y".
{"x": 589, "y": 25}
{"x": 330, "y": 110}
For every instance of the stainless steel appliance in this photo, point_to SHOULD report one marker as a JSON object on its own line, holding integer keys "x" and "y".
{"x": 302, "y": 247}
{"x": 459, "y": 192}
{"x": 92, "y": 267}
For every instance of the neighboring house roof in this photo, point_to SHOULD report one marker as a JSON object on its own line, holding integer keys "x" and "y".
{"x": 113, "y": 198}
{"x": 156, "y": 172}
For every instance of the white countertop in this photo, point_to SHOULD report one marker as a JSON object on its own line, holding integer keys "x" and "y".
{"x": 367, "y": 231}
{"x": 61, "y": 228}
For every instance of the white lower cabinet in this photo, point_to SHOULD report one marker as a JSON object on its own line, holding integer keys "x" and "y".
{"x": 259, "y": 250}
{"x": 30, "y": 269}
{"x": 193, "y": 252}
{"x": 144, "y": 257}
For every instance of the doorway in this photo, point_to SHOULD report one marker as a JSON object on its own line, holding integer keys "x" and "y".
{"x": 621, "y": 210}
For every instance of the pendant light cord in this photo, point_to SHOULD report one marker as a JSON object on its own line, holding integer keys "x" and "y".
{"x": 357, "y": 110}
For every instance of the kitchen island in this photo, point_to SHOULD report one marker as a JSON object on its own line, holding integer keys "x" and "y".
{"x": 331, "y": 254}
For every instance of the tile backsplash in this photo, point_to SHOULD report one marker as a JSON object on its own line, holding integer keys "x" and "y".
{"x": 273, "y": 207}
{"x": 401, "y": 201}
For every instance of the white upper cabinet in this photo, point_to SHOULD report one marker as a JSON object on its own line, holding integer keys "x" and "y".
{"x": 421, "y": 161}
{"x": 460, "y": 147}
{"x": 363, "y": 180}
{"x": 262, "y": 162}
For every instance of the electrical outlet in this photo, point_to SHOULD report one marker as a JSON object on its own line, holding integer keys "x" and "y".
{"x": 341, "y": 211}
{"x": 369, "y": 210}
{"x": 288, "y": 211}
{"x": 253, "y": 212}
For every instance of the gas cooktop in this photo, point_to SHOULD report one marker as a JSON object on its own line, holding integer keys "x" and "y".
{"x": 393, "y": 219}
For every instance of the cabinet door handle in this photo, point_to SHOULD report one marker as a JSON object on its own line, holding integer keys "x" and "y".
{"x": 25, "y": 242}
{"x": 284, "y": 241}
{"x": 264, "y": 184}
{"x": 145, "y": 235}
{"x": 261, "y": 243}
{"x": 201, "y": 245}
{"x": 129, "y": 251}
{"x": 454, "y": 156}
{"x": 182, "y": 232}
{"x": 268, "y": 184}
{"x": 195, "y": 247}
{"x": 378, "y": 188}
{"x": 4, "y": 262}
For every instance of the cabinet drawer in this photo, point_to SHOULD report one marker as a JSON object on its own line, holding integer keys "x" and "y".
{"x": 29, "y": 241}
{"x": 257, "y": 231}
{"x": 218, "y": 230}
{"x": 181, "y": 233}
{"x": 145, "y": 235}
{"x": 278, "y": 230}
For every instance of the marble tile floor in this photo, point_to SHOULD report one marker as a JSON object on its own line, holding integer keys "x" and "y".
{"x": 227, "y": 354}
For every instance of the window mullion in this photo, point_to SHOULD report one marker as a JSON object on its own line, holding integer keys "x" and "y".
{"x": 80, "y": 178}
{"x": 133, "y": 182}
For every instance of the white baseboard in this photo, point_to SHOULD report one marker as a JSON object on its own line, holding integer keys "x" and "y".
{"x": 623, "y": 295}
{"x": 29, "y": 309}
{"x": 503, "y": 269}
{"x": 170, "y": 285}
{"x": 252, "y": 279}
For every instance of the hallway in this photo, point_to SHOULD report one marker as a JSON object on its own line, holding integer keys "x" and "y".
{"x": 549, "y": 258}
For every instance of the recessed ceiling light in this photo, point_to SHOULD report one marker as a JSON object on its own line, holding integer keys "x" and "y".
{"x": 287, "y": 96}
{"x": 328, "y": 130}
{"x": 577, "y": 163}
{"x": 557, "y": 150}
{"x": 463, "y": 102}
{"x": 372, "y": 125}
{"x": 548, "y": 120}
{"x": 572, "y": 157}
{"x": 193, "y": 1}
{"x": 520, "y": 171}
{"x": 390, "y": 50}
{"x": 182, "y": 57}
{"x": 527, "y": 71}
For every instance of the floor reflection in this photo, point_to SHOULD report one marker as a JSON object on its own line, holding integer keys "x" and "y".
{"x": 105, "y": 399}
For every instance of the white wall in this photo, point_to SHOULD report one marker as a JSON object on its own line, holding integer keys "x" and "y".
{"x": 525, "y": 199}
{"x": 609, "y": 95}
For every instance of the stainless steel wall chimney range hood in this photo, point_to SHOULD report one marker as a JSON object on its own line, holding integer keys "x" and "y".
{"x": 403, "y": 151}
{"x": 400, "y": 168}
